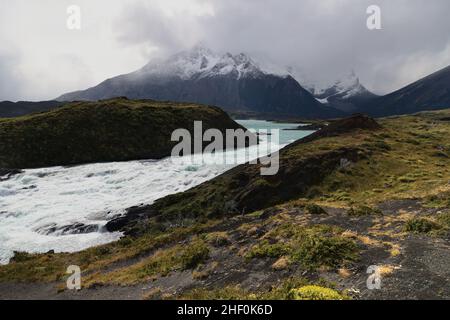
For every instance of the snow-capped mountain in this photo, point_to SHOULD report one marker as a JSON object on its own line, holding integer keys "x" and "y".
{"x": 346, "y": 94}
{"x": 347, "y": 86}
{"x": 202, "y": 62}
{"x": 233, "y": 82}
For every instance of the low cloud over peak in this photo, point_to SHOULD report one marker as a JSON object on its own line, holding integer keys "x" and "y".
{"x": 325, "y": 38}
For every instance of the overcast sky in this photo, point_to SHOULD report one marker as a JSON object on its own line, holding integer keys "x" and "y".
{"x": 40, "y": 58}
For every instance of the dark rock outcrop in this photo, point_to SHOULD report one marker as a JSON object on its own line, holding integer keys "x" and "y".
{"x": 6, "y": 174}
{"x": 75, "y": 228}
{"x": 342, "y": 126}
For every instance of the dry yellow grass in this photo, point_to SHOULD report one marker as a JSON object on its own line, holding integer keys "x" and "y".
{"x": 344, "y": 273}
{"x": 281, "y": 264}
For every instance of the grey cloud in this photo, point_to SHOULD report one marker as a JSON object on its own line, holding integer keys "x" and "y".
{"x": 10, "y": 78}
{"x": 325, "y": 38}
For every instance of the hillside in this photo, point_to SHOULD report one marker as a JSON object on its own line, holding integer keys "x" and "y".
{"x": 108, "y": 130}
{"x": 429, "y": 93}
{"x": 357, "y": 194}
{"x": 10, "y": 109}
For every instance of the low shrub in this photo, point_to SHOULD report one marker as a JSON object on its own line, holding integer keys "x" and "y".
{"x": 218, "y": 239}
{"x": 317, "y": 250}
{"x": 267, "y": 250}
{"x": 444, "y": 219}
{"x": 311, "y": 247}
{"x": 360, "y": 211}
{"x": 314, "y": 209}
{"x": 315, "y": 293}
{"x": 21, "y": 257}
{"x": 421, "y": 225}
{"x": 196, "y": 253}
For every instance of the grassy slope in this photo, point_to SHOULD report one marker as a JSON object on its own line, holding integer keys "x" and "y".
{"x": 109, "y": 130}
{"x": 287, "y": 235}
{"x": 10, "y": 109}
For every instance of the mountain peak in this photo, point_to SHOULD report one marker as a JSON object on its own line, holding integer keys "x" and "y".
{"x": 201, "y": 62}
{"x": 201, "y": 49}
{"x": 235, "y": 82}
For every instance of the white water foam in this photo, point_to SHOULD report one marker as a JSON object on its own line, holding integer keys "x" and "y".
{"x": 37, "y": 200}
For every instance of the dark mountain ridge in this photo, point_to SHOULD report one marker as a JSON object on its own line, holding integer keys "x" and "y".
{"x": 429, "y": 93}
{"x": 10, "y": 109}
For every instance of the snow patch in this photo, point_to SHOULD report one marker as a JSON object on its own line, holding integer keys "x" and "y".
{"x": 345, "y": 87}
{"x": 201, "y": 62}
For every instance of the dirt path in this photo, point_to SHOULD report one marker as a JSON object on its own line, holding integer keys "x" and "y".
{"x": 15, "y": 291}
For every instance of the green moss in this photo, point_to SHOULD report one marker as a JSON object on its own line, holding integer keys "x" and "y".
{"x": 315, "y": 293}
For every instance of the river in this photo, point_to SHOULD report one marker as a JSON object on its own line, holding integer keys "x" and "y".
{"x": 40, "y": 207}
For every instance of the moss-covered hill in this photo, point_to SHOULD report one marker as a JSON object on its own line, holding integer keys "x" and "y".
{"x": 109, "y": 130}
{"x": 357, "y": 195}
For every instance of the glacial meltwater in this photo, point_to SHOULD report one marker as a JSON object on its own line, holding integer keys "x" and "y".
{"x": 65, "y": 208}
